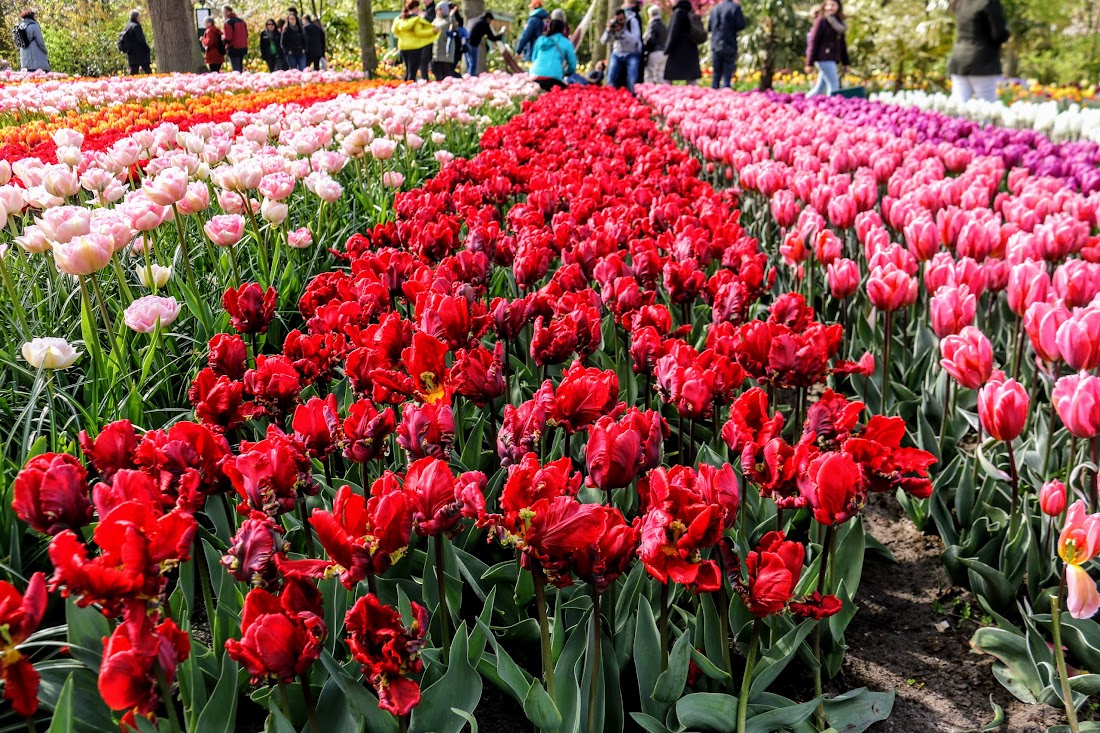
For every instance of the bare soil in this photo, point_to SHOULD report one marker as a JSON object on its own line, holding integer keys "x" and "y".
{"x": 898, "y": 640}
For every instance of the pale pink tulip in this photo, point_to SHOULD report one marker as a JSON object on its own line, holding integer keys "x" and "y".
{"x": 84, "y": 255}
{"x": 145, "y": 313}
{"x": 225, "y": 230}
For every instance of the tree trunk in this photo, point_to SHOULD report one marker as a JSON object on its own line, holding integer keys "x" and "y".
{"x": 612, "y": 6}
{"x": 368, "y": 53}
{"x": 174, "y": 36}
{"x": 599, "y": 20}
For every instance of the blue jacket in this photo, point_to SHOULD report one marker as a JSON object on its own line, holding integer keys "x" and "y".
{"x": 726, "y": 21}
{"x": 531, "y": 32}
{"x": 553, "y": 57}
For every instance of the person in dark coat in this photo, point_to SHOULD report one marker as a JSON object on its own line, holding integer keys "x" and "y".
{"x": 294, "y": 43}
{"x": 827, "y": 48}
{"x": 213, "y": 46}
{"x": 235, "y": 35}
{"x": 975, "y": 65}
{"x": 653, "y": 46}
{"x": 536, "y": 24}
{"x": 682, "y": 62}
{"x": 271, "y": 46}
{"x": 33, "y": 56}
{"x": 132, "y": 43}
{"x": 480, "y": 30}
{"x": 315, "y": 42}
{"x": 726, "y": 21}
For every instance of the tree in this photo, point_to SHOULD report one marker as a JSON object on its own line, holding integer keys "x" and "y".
{"x": 902, "y": 38}
{"x": 175, "y": 36}
{"x": 776, "y": 37}
{"x": 367, "y": 51}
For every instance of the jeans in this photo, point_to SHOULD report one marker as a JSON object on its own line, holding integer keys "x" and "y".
{"x": 981, "y": 87}
{"x": 296, "y": 61}
{"x": 236, "y": 60}
{"x": 471, "y": 60}
{"x": 828, "y": 79}
{"x": 724, "y": 65}
{"x": 630, "y": 64}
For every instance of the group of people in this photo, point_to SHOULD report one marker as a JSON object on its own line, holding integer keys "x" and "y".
{"x": 291, "y": 43}
{"x": 437, "y": 37}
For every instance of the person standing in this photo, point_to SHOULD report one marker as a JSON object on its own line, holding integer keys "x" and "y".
{"x": 827, "y": 48}
{"x": 414, "y": 40}
{"x": 213, "y": 46}
{"x": 271, "y": 49}
{"x": 681, "y": 50}
{"x": 536, "y": 24}
{"x": 294, "y": 43}
{"x": 445, "y": 48}
{"x": 975, "y": 64}
{"x": 32, "y": 54}
{"x": 726, "y": 21}
{"x": 315, "y": 42}
{"x": 480, "y": 30}
{"x": 235, "y": 35}
{"x": 553, "y": 57}
{"x": 653, "y": 44}
{"x": 624, "y": 32}
{"x": 132, "y": 43}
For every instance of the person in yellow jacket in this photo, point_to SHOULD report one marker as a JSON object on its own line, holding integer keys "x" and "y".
{"x": 415, "y": 37}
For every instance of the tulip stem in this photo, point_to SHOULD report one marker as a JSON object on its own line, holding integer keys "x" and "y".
{"x": 17, "y": 305}
{"x": 946, "y": 414}
{"x": 1050, "y": 442}
{"x": 311, "y": 711}
{"x": 1013, "y": 477}
{"x": 1093, "y": 493}
{"x": 594, "y": 682}
{"x": 746, "y": 680}
{"x": 822, "y": 575}
{"x": 544, "y": 630}
{"x": 724, "y": 622}
{"x": 183, "y": 244}
{"x": 444, "y": 611}
{"x": 665, "y": 593}
{"x": 284, "y": 699}
{"x": 1059, "y": 656}
{"x": 1018, "y": 351}
{"x": 30, "y": 724}
{"x": 169, "y": 702}
{"x": 884, "y": 385}
{"x": 305, "y": 528}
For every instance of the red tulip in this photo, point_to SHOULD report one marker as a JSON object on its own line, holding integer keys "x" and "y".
{"x": 185, "y": 458}
{"x": 281, "y": 636}
{"x": 603, "y": 561}
{"x": 886, "y": 464}
{"x": 528, "y": 483}
{"x": 251, "y": 554}
{"x": 315, "y": 356}
{"x": 388, "y": 651}
{"x": 522, "y": 427}
{"x": 365, "y": 431}
{"x": 560, "y": 528}
{"x": 317, "y": 425}
{"x": 111, "y": 450}
{"x": 772, "y": 571}
{"x": 967, "y": 357}
{"x": 228, "y": 356}
{"x": 20, "y": 615}
{"x": 1002, "y": 408}
{"x": 679, "y": 522}
{"x": 439, "y": 500}
{"x": 267, "y": 475}
{"x": 426, "y": 430}
{"x": 51, "y": 494}
{"x": 219, "y": 402}
{"x": 833, "y": 486}
{"x": 250, "y": 308}
{"x": 613, "y": 454}
{"x": 135, "y": 655}
{"x": 584, "y": 395}
{"x": 275, "y": 385}
{"x": 478, "y": 374}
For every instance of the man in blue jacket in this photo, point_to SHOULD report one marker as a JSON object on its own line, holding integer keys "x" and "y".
{"x": 726, "y": 20}
{"x": 536, "y": 22}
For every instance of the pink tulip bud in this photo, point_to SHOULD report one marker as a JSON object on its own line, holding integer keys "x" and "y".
{"x": 953, "y": 308}
{"x": 843, "y": 278}
{"x": 967, "y": 357}
{"x": 300, "y": 238}
{"x": 1002, "y": 408}
{"x": 889, "y": 288}
{"x": 274, "y": 212}
{"x": 784, "y": 208}
{"x": 197, "y": 199}
{"x": 1042, "y": 322}
{"x": 393, "y": 179}
{"x": 1052, "y": 498}
{"x": 145, "y": 313}
{"x": 225, "y": 230}
{"x": 382, "y": 148}
{"x": 1078, "y": 339}
{"x": 168, "y": 187}
{"x": 1077, "y": 282}
{"x": 1077, "y": 400}
{"x": 277, "y": 186}
{"x": 827, "y": 247}
{"x": 842, "y": 211}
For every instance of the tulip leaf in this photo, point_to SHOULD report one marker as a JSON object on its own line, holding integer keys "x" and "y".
{"x": 648, "y": 723}
{"x": 855, "y": 711}
{"x": 708, "y": 711}
{"x": 467, "y": 717}
{"x": 778, "y": 656}
{"x": 86, "y": 629}
{"x": 334, "y": 714}
{"x": 567, "y": 675}
{"x": 670, "y": 684}
{"x": 1089, "y": 726}
{"x": 1013, "y": 668}
{"x": 276, "y": 720}
{"x": 784, "y": 716}
{"x": 707, "y": 667}
{"x": 62, "y": 720}
{"x": 360, "y": 698}
{"x": 627, "y": 600}
{"x": 220, "y": 712}
{"x": 459, "y": 687}
{"x": 990, "y": 583}
{"x": 540, "y": 709}
{"x": 647, "y": 659}
{"x": 711, "y": 625}
{"x": 89, "y": 712}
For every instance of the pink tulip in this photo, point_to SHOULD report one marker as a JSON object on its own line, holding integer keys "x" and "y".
{"x": 1002, "y": 408}
{"x": 922, "y": 237}
{"x": 382, "y": 148}
{"x": 890, "y": 288}
{"x": 1077, "y": 282}
{"x": 1077, "y": 400}
{"x": 827, "y": 247}
{"x": 865, "y": 222}
{"x": 842, "y": 211}
{"x": 1052, "y": 498}
{"x": 953, "y": 308}
{"x": 1042, "y": 322}
{"x": 274, "y": 211}
{"x": 393, "y": 179}
{"x": 843, "y": 278}
{"x": 967, "y": 357}
{"x": 1028, "y": 282}
{"x": 300, "y": 238}
{"x": 145, "y": 215}
{"x": 167, "y": 188}
{"x": 61, "y": 181}
{"x": 145, "y": 313}
{"x": 84, "y": 255}
{"x": 113, "y": 224}
{"x": 224, "y": 230}
{"x": 62, "y": 223}
{"x": 1078, "y": 339}
{"x": 197, "y": 199}
{"x": 942, "y": 270}
{"x": 784, "y": 208}
{"x": 277, "y": 186}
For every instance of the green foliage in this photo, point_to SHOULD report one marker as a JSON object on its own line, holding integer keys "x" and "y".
{"x": 81, "y": 36}
{"x": 776, "y": 36}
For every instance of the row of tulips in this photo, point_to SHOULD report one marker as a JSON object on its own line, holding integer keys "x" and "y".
{"x": 966, "y": 264}
{"x": 496, "y": 448}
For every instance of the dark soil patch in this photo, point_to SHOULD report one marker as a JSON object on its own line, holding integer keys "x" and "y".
{"x": 496, "y": 712}
{"x": 897, "y": 641}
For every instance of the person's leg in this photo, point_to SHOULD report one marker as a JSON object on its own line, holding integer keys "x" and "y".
{"x": 832, "y": 76}
{"x": 716, "y": 68}
{"x": 302, "y": 62}
{"x": 316, "y": 64}
{"x": 819, "y": 87}
{"x": 615, "y": 70}
{"x": 134, "y": 69}
{"x": 471, "y": 60}
{"x": 410, "y": 64}
{"x": 426, "y": 61}
{"x": 960, "y": 88}
{"x": 985, "y": 87}
{"x": 728, "y": 69}
{"x": 633, "y": 67}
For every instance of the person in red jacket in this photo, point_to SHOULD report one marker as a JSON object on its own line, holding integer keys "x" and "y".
{"x": 213, "y": 45}
{"x": 235, "y": 34}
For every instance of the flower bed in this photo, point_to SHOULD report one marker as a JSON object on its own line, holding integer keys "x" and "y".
{"x": 965, "y": 264}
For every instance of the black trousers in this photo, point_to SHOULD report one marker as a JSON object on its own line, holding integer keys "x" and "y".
{"x": 417, "y": 61}
{"x": 136, "y": 69}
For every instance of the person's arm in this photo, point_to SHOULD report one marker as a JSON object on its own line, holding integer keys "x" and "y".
{"x": 844, "y": 53}
{"x": 39, "y": 39}
{"x": 812, "y": 43}
{"x": 713, "y": 21}
{"x": 570, "y": 56}
{"x": 528, "y": 36}
{"x": 998, "y": 26}
{"x": 738, "y": 17}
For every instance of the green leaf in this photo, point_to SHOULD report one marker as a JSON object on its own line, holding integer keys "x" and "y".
{"x": 647, "y": 659}
{"x": 990, "y": 583}
{"x": 857, "y": 710}
{"x": 62, "y": 720}
{"x": 467, "y": 717}
{"x": 540, "y": 709}
{"x": 708, "y": 711}
{"x": 362, "y": 701}
{"x": 515, "y": 680}
{"x": 649, "y": 724}
{"x": 276, "y": 720}
{"x": 778, "y": 656}
{"x": 459, "y": 687}
{"x": 1014, "y": 668}
{"x": 220, "y": 713}
{"x": 334, "y": 714}
{"x": 86, "y": 629}
{"x": 782, "y": 717}
{"x": 670, "y": 685}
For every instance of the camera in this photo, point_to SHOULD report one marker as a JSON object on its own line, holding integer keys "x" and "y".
{"x": 615, "y": 25}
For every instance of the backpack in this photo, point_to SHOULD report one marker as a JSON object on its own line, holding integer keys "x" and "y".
{"x": 697, "y": 33}
{"x": 122, "y": 45}
{"x": 19, "y": 36}
{"x": 221, "y": 45}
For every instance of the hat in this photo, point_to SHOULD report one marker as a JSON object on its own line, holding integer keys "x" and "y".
{"x": 443, "y": 9}
{"x": 536, "y": 4}
{"x": 557, "y": 14}
{"x": 654, "y": 11}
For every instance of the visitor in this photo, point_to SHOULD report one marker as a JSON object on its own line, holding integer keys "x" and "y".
{"x": 597, "y": 74}
{"x": 480, "y": 30}
{"x": 32, "y": 51}
{"x": 132, "y": 43}
{"x": 653, "y": 45}
{"x": 271, "y": 50}
{"x": 213, "y": 46}
{"x": 624, "y": 32}
{"x": 315, "y": 42}
{"x": 559, "y": 14}
{"x": 535, "y": 28}
{"x": 461, "y": 38}
{"x": 726, "y": 21}
{"x": 827, "y": 48}
{"x": 975, "y": 65}
{"x": 446, "y": 46}
{"x": 553, "y": 57}
{"x": 682, "y": 50}
{"x": 235, "y": 35}
{"x": 294, "y": 43}
{"x": 414, "y": 40}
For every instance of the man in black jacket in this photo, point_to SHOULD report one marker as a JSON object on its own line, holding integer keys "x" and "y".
{"x": 315, "y": 42}
{"x": 479, "y": 30}
{"x": 726, "y": 21}
{"x": 132, "y": 43}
